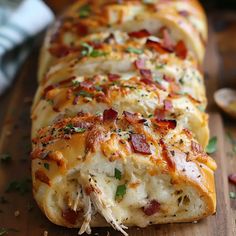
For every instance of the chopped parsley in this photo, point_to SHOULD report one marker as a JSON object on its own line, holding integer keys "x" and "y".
{"x": 84, "y": 11}
{"x": 84, "y": 93}
{"x": 117, "y": 174}
{"x": 46, "y": 166}
{"x": 128, "y": 86}
{"x": 72, "y": 129}
{"x": 150, "y": 115}
{"x": 120, "y": 191}
{"x": 232, "y": 195}
{"x": 4, "y": 231}
{"x": 134, "y": 50}
{"x": 98, "y": 88}
{"x": 88, "y": 50}
{"x": 50, "y": 101}
{"x": 96, "y": 53}
{"x": 22, "y": 186}
{"x": 5, "y": 158}
{"x": 211, "y": 147}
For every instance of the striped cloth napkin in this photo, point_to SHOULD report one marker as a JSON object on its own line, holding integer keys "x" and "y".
{"x": 20, "y": 20}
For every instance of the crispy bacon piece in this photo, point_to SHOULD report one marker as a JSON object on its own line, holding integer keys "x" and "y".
{"x": 159, "y": 114}
{"x": 167, "y": 41}
{"x": 181, "y": 50}
{"x": 168, "y": 105}
{"x": 59, "y": 50}
{"x": 41, "y": 176}
{"x": 70, "y": 216}
{"x": 113, "y": 77}
{"x": 110, "y": 115}
{"x": 232, "y": 178}
{"x": 184, "y": 13}
{"x": 140, "y": 63}
{"x": 156, "y": 46}
{"x": 139, "y": 144}
{"x": 140, "y": 34}
{"x": 151, "y": 208}
{"x": 166, "y": 124}
{"x": 146, "y": 74}
{"x": 147, "y": 81}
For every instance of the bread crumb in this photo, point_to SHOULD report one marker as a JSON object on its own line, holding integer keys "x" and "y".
{"x": 16, "y": 213}
{"x": 45, "y": 233}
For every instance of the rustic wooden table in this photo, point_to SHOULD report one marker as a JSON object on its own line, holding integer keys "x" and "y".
{"x": 220, "y": 65}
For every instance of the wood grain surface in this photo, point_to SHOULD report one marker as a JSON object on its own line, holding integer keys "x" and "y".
{"x": 20, "y": 211}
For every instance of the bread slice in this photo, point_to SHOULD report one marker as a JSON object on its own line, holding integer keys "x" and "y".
{"x": 122, "y": 168}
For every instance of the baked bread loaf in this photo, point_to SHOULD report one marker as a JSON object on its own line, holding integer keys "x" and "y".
{"x": 118, "y": 121}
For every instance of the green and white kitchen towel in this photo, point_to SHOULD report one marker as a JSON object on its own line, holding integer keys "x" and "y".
{"x": 20, "y": 20}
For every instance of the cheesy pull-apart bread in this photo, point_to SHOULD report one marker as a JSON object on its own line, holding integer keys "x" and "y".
{"x": 118, "y": 121}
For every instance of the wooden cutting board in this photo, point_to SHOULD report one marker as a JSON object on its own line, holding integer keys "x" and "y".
{"x": 18, "y": 210}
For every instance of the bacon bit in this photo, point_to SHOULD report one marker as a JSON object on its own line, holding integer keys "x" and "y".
{"x": 70, "y": 216}
{"x": 140, "y": 34}
{"x": 41, "y": 176}
{"x": 184, "y": 13}
{"x": 113, "y": 77}
{"x": 48, "y": 88}
{"x": 147, "y": 81}
{"x": 196, "y": 147}
{"x": 166, "y": 156}
{"x": 86, "y": 84}
{"x": 110, "y": 115}
{"x": 59, "y": 51}
{"x": 139, "y": 144}
{"x": 131, "y": 117}
{"x": 168, "y": 105}
{"x": 76, "y": 99}
{"x": 151, "y": 208}
{"x": 146, "y": 74}
{"x": 81, "y": 28}
{"x": 56, "y": 109}
{"x": 156, "y": 46}
{"x": 140, "y": 63}
{"x": 168, "y": 78}
{"x": 167, "y": 41}
{"x": 181, "y": 50}
{"x": 159, "y": 114}
{"x": 89, "y": 189}
{"x": 166, "y": 124}
{"x": 232, "y": 178}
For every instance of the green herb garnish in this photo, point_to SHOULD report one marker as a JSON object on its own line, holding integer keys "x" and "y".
{"x": 90, "y": 51}
{"x": 84, "y": 94}
{"x": 134, "y": 50}
{"x": 211, "y": 147}
{"x": 5, "y": 158}
{"x": 22, "y": 186}
{"x": 70, "y": 129}
{"x": 232, "y": 195}
{"x": 181, "y": 81}
{"x": 84, "y": 11}
{"x": 120, "y": 191}
{"x": 96, "y": 53}
{"x": 117, "y": 174}
{"x": 160, "y": 66}
{"x": 46, "y": 166}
